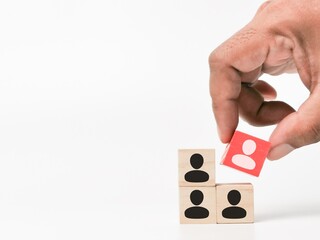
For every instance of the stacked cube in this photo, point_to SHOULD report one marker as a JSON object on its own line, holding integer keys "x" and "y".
{"x": 204, "y": 201}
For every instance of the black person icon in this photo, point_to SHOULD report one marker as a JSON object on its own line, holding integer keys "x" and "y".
{"x": 234, "y": 212}
{"x": 196, "y": 212}
{"x": 196, "y": 161}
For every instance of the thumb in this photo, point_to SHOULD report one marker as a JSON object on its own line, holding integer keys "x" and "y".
{"x": 297, "y": 129}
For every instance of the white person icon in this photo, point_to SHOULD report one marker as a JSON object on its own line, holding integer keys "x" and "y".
{"x": 243, "y": 160}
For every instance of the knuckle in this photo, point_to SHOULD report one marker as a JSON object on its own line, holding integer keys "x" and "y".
{"x": 212, "y": 59}
{"x": 215, "y": 59}
{"x": 314, "y": 134}
{"x": 263, "y": 6}
{"x": 215, "y": 106}
{"x": 309, "y": 134}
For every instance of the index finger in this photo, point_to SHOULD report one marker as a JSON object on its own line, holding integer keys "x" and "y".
{"x": 243, "y": 53}
{"x": 225, "y": 88}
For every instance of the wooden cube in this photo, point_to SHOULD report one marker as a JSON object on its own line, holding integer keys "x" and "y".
{"x": 196, "y": 167}
{"x": 197, "y": 205}
{"x": 235, "y": 203}
{"x": 246, "y": 153}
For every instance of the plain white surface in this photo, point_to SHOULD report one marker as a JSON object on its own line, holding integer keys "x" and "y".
{"x": 95, "y": 99}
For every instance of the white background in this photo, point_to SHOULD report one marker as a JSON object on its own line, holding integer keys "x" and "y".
{"x": 95, "y": 99}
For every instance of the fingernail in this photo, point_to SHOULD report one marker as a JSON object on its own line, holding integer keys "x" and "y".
{"x": 280, "y": 151}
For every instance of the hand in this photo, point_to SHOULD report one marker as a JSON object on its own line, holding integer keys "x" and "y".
{"x": 283, "y": 37}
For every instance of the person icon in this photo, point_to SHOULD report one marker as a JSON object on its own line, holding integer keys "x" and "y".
{"x": 196, "y": 176}
{"x": 234, "y": 212}
{"x": 248, "y": 147}
{"x": 196, "y": 212}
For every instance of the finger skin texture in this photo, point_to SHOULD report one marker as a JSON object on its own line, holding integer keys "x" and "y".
{"x": 283, "y": 37}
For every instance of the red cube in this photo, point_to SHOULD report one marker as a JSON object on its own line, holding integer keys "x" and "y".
{"x": 246, "y": 153}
